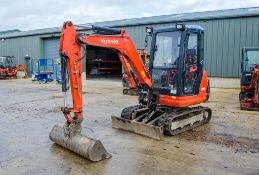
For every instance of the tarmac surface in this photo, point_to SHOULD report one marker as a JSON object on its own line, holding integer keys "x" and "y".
{"x": 229, "y": 144}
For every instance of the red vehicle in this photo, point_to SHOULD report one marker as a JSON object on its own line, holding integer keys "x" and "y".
{"x": 249, "y": 95}
{"x": 7, "y": 70}
{"x": 176, "y": 81}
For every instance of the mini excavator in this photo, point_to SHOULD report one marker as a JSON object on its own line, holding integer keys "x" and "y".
{"x": 249, "y": 95}
{"x": 175, "y": 81}
{"x": 8, "y": 70}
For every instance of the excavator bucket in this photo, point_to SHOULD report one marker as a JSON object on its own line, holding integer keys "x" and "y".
{"x": 87, "y": 147}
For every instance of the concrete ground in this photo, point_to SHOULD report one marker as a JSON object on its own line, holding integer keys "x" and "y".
{"x": 229, "y": 144}
{"x": 227, "y": 83}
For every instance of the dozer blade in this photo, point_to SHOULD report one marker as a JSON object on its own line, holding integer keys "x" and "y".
{"x": 151, "y": 131}
{"x": 82, "y": 145}
{"x": 249, "y": 106}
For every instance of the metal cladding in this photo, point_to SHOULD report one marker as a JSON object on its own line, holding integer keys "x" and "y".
{"x": 82, "y": 145}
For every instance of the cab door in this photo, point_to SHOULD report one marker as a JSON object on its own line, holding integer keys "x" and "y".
{"x": 191, "y": 70}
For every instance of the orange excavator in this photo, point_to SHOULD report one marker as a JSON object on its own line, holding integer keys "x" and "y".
{"x": 176, "y": 80}
{"x": 7, "y": 70}
{"x": 249, "y": 94}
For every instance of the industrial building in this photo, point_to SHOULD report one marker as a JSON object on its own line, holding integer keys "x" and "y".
{"x": 226, "y": 33}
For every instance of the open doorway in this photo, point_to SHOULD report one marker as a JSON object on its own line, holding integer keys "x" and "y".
{"x": 102, "y": 62}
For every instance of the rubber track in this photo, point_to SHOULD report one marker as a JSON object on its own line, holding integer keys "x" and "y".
{"x": 167, "y": 118}
{"x": 127, "y": 112}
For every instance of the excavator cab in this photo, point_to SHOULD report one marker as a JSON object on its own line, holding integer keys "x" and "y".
{"x": 250, "y": 57}
{"x": 6, "y": 62}
{"x": 179, "y": 81}
{"x": 177, "y": 60}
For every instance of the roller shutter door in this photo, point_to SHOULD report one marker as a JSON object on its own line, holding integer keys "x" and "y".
{"x": 51, "y": 47}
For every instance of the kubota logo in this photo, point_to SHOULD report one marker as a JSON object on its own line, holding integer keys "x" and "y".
{"x": 109, "y": 41}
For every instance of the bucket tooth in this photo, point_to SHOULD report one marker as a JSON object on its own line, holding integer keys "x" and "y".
{"x": 87, "y": 147}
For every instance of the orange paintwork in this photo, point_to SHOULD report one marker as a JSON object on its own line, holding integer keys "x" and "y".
{"x": 70, "y": 48}
{"x": 204, "y": 83}
{"x": 186, "y": 101}
{"x": 127, "y": 74}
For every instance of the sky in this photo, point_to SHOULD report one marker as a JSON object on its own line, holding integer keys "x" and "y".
{"x": 37, "y": 14}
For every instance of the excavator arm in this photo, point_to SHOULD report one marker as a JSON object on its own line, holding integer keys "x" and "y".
{"x": 14, "y": 71}
{"x": 69, "y": 136}
{"x": 70, "y": 50}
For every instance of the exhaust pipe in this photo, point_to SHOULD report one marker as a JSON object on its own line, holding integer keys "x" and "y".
{"x": 87, "y": 147}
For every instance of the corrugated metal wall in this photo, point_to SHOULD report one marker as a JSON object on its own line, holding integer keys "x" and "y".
{"x": 19, "y": 47}
{"x": 224, "y": 39}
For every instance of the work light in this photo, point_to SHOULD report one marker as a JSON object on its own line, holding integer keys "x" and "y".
{"x": 180, "y": 26}
{"x": 149, "y": 30}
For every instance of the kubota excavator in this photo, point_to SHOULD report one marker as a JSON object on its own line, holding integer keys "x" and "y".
{"x": 176, "y": 80}
{"x": 249, "y": 95}
{"x": 7, "y": 70}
